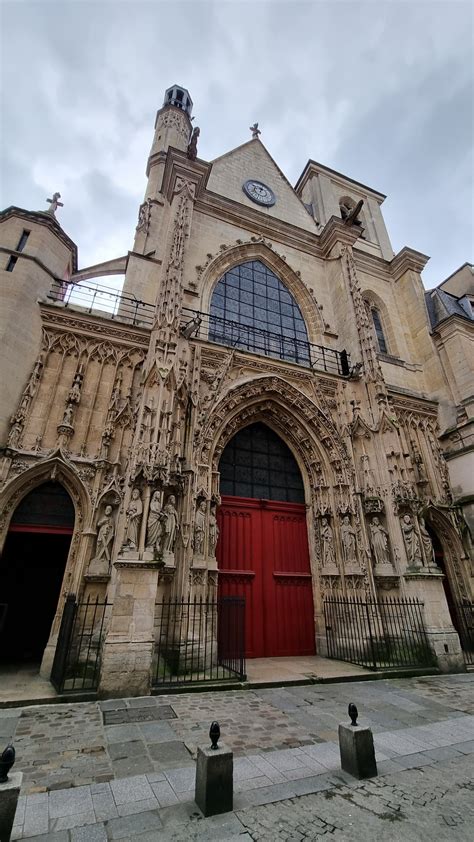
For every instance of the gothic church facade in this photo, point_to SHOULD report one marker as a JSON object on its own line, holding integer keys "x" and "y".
{"x": 259, "y": 413}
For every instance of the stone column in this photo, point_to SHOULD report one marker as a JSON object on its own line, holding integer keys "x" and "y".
{"x": 128, "y": 648}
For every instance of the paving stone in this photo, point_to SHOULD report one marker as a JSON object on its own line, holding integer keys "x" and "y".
{"x": 132, "y": 765}
{"x": 122, "y": 733}
{"x": 182, "y": 780}
{"x": 130, "y": 826}
{"x": 67, "y": 802}
{"x": 156, "y": 732}
{"x": 142, "y": 702}
{"x": 94, "y": 833}
{"x": 75, "y": 820}
{"x": 61, "y": 836}
{"x": 137, "y": 807}
{"x": 113, "y": 704}
{"x": 134, "y": 748}
{"x": 131, "y": 789}
{"x": 170, "y": 752}
{"x": 164, "y": 793}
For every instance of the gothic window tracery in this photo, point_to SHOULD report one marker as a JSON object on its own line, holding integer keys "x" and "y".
{"x": 257, "y": 463}
{"x": 252, "y": 309}
{"x": 379, "y": 333}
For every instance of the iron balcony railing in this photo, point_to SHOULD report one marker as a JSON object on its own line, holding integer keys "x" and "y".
{"x": 259, "y": 340}
{"x": 101, "y": 300}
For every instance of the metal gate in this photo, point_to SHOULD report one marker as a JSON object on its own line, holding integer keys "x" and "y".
{"x": 76, "y": 665}
{"x": 199, "y": 640}
{"x": 377, "y": 634}
{"x": 465, "y": 629}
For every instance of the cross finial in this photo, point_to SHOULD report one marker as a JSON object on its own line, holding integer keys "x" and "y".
{"x": 54, "y": 203}
{"x": 255, "y": 131}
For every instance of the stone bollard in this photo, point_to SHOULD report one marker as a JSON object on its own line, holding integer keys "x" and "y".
{"x": 214, "y": 777}
{"x": 9, "y": 792}
{"x": 356, "y": 745}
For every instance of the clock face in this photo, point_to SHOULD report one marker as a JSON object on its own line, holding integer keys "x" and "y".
{"x": 259, "y": 193}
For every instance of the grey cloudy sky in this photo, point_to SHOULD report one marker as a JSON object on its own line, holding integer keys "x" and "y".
{"x": 381, "y": 90}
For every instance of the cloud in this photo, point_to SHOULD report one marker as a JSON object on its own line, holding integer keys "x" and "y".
{"x": 381, "y": 91}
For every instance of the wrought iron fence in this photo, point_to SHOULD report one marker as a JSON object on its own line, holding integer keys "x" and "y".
{"x": 378, "y": 634}
{"x": 262, "y": 341}
{"x": 199, "y": 640}
{"x": 76, "y": 665}
{"x": 99, "y": 299}
{"x": 465, "y": 628}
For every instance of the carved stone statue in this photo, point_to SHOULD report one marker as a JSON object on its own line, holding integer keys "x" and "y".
{"x": 368, "y": 480}
{"x": 67, "y": 417}
{"x": 412, "y": 543}
{"x": 134, "y": 517}
{"x": 213, "y": 531}
{"x": 379, "y": 541}
{"x": 327, "y": 544}
{"x": 105, "y": 537}
{"x": 192, "y": 145}
{"x": 200, "y": 528}
{"x": 348, "y": 537}
{"x": 155, "y": 527}
{"x": 75, "y": 390}
{"x": 255, "y": 131}
{"x": 171, "y": 524}
{"x": 427, "y": 544}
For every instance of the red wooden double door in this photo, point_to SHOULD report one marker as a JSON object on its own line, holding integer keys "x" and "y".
{"x": 263, "y": 555}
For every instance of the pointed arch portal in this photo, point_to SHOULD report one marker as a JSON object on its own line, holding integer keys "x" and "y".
{"x": 263, "y": 550}
{"x": 32, "y": 569}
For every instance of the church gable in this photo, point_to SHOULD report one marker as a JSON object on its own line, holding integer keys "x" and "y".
{"x": 251, "y": 161}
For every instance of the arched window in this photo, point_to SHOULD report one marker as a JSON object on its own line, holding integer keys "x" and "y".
{"x": 257, "y": 463}
{"x": 252, "y": 309}
{"x": 379, "y": 330}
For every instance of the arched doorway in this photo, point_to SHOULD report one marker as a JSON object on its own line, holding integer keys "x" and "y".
{"x": 31, "y": 571}
{"x": 263, "y": 546}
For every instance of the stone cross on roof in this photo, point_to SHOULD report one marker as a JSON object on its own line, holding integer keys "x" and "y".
{"x": 55, "y": 203}
{"x": 255, "y": 131}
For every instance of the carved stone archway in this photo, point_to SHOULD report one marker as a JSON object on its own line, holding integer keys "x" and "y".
{"x": 455, "y": 559}
{"x": 57, "y": 469}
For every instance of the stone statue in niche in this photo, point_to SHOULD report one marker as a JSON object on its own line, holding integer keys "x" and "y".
{"x": 170, "y": 525}
{"x": 100, "y": 564}
{"x": 67, "y": 417}
{"x": 368, "y": 480}
{"x": 379, "y": 541}
{"x": 427, "y": 544}
{"x": 200, "y": 528}
{"x": 134, "y": 517}
{"x": 327, "y": 544}
{"x": 348, "y": 537}
{"x": 213, "y": 531}
{"x": 412, "y": 542}
{"x": 75, "y": 390}
{"x": 155, "y": 527}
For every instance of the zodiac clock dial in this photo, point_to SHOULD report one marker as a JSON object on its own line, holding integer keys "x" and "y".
{"x": 259, "y": 193}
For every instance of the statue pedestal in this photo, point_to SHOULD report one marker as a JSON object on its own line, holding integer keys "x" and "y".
{"x": 128, "y": 649}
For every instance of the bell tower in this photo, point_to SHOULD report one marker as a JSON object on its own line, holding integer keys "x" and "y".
{"x": 172, "y": 128}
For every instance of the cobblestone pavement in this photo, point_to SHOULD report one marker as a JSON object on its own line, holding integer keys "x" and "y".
{"x": 60, "y": 746}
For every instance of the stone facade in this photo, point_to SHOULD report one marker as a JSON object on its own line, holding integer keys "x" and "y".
{"x": 131, "y": 412}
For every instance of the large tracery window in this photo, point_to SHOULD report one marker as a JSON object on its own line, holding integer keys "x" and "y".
{"x": 252, "y": 309}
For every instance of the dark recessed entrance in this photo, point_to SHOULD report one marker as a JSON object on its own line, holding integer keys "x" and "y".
{"x": 31, "y": 571}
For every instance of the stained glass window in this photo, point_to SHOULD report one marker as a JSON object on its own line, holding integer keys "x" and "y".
{"x": 257, "y": 463}
{"x": 252, "y": 309}
{"x": 379, "y": 331}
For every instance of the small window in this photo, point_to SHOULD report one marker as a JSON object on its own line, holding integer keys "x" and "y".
{"x": 22, "y": 242}
{"x": 379, "y": 331}
{"x": 11, "y": 264}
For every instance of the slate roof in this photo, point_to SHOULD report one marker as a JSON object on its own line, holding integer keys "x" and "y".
{"x": 441, "y": 305}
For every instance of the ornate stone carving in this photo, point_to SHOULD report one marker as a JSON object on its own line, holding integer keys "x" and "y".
{"x": 144, "y": 216}
{"x": 100, "y": 564}
{"x": 199, "y": 535}
{"x": 170, "y": 525}
{"x": 412, "y": 542}
{"x": 133, "y": 520}
{"x": 349, "y": 546}
{"x": 379, "y": 544}
{"x": 328, "y": 551}
{"x": 213, "y": 530}
{"x": 155, "y": 525}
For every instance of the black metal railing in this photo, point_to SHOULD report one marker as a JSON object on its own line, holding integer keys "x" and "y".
{"x": 259, "y": 340}
{"x": 103, "y": 301}
{"x": 378, "y": 634}
{"x": 76, "y": 665}
{"x": 465, "y": 628}
{"x": 199, "y": 640}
